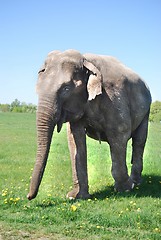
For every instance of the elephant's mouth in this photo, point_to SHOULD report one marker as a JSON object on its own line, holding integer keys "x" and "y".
{"x": 68, "y": 116}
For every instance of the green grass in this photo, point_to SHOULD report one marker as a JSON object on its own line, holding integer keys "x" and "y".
{"x": 108, "y": 215}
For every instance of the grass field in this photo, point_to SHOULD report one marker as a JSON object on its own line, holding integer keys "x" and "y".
{"x": 108, "y": 215}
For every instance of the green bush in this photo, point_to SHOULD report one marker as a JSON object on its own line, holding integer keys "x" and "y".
{"x": 155, "y": 112}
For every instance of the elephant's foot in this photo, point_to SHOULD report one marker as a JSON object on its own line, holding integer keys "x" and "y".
{"x": 72, "y": 194}
{"x": 76, "y": 194}
{"x": 136, "y": 178}
{"x": 83, "y": 195}
{"x": 124, "y": 186}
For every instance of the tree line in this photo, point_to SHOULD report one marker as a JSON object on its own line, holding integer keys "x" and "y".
{"x": 22, "y": 107}
{"x": 17, "y": 106}
{"x": 155, "y": 112}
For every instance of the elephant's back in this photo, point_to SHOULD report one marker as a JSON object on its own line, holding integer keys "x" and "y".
{"x": 111, "y": 68}
{"x": 118, "y": 78}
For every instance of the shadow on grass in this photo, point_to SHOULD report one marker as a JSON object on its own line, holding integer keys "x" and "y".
{"x": 150, "y": 187}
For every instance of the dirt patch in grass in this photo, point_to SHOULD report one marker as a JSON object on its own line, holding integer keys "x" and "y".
{"x": 8, "y": 234}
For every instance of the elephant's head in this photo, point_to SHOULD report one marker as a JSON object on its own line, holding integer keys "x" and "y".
{"x": 65, "y": 83}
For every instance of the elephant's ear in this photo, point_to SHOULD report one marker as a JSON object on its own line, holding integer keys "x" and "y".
{"x": 94, "y": 85}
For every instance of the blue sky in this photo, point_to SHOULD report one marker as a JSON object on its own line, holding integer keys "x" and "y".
{"x": 128, "y": 30}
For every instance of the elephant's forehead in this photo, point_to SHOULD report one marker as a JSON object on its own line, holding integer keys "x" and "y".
{"x": 69, "y": 56}
{"x": 52, "y": 57}
{"x": 53, "y": 53}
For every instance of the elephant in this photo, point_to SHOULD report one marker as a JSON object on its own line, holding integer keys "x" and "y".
{"x": 97, "y": 96}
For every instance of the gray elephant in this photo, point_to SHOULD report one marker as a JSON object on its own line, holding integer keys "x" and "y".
{"x": 100, "y": 97}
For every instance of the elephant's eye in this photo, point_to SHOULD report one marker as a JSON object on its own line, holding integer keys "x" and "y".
{"x": 66, "y": 88}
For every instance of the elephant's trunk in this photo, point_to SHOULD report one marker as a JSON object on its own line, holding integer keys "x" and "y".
{"x": 46, "y": 121}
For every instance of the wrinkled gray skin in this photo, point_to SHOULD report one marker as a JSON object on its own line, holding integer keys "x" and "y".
{"x": 100, "y": 97}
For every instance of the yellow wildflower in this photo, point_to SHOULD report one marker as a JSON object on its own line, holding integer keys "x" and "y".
{"x": 73, "y": 208}
{"x": 157, "y": 230}
{"x": 4, "y": 194}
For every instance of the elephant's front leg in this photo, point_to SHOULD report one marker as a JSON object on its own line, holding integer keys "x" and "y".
{"x": 78, "y": 153}
{"x": 119, "y": 169}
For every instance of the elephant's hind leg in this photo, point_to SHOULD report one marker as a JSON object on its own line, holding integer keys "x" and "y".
{"x": 119, "y": 169}
{"x": 139, "y": 137}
